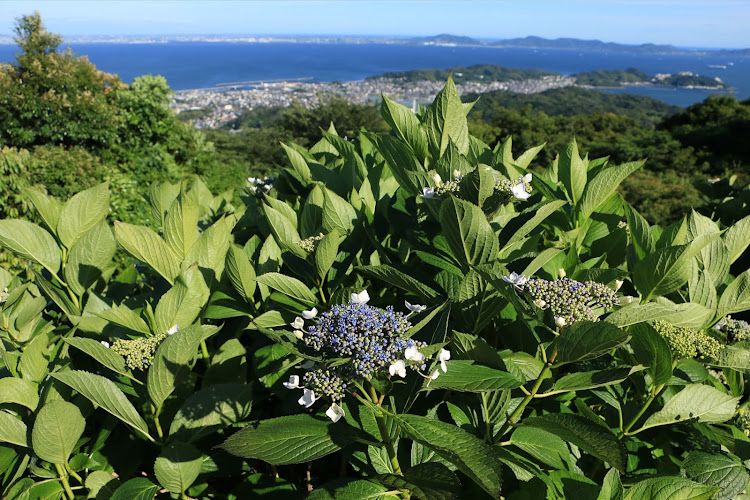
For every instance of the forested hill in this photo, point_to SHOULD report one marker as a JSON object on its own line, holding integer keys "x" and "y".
{"x": 570, "y": 101}
{"x": 478, "y": 72}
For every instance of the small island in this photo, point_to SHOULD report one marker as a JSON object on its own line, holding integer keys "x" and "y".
{"x": 632, "y": 76}
{"x": 461, "y": 74}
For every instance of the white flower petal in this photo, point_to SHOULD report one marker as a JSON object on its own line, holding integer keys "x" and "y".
{"x": 618, "y": 284}
{"x": 438, "y": 180}
{"x": 434, "y": 375}
{"x": 360, "y": 298}
{"x": 335, "y": 412}
{"x": 560, "y": 321}
{"x": 298, "y": 323}
{"x": 299, "y": 334}
{"x": 519, "y": 192}
{"x": 293, "y": 382}
{"x": 413, "y": 354}
{"x": 444, "y": 355}
{"x": 443, "y": 366}
{"x": 105, "y": 344}
{"x": 173, "y": 330}
{"x": 428, "y": 192}
{"x": 527, "y": 178}
{"x": 310, "y": 314}
{"x": 399, "y": 367}
{"x": 307, "y": 399}
{"x": 516, "y": 279}
{"x": 415, "y": 308}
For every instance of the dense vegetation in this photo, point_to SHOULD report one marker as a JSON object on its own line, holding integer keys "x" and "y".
{"x": 611, "y": 77}
{"x": 475, "y": 73}
{"x": 407, "y": 314}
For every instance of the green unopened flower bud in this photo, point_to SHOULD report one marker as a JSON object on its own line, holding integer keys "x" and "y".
{"x": 687, "y": 342}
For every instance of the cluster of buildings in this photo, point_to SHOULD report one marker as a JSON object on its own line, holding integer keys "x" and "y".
{"x": 223, "y": 104}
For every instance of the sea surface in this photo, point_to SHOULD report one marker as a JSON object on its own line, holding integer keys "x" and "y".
{"x": 192, "y": 65}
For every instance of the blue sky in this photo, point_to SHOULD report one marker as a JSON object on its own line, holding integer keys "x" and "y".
{"x": 696, "y": 23}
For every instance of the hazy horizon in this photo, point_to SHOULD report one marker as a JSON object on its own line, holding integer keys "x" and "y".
{"x": 684, "y": 23}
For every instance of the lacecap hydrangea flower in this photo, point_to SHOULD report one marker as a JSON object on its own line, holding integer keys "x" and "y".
{"x": 259, "y": 185}
{"x": 139, "y": 353}
{"x": 519, "y": 189}
{"x": 687, "y": 342}
{"x": 735, "y": 329}
{"x": 373, "y": 340}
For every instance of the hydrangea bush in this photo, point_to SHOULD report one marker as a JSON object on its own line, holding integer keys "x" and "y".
{"x": 411, "y": 315}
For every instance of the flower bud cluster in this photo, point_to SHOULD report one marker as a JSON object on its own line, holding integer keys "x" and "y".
{"x": 326, "y": 382}
{"x": 742, "y": 421}
{"x": 442, "y": 188}
{"x": 687, "y": 342}
{"x": 736, "y": 329}
{"x": 139, "y": 353}
{"x": 519, "y": 189}
{"x": 570, "y": 300}
{"x": 309, "y": 244}
{"x": 372, "y": 337}
{"x": 260, "y": 185}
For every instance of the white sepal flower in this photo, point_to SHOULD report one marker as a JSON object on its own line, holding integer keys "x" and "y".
{"x": 438, "y": 180}
{"x": 293, "y": 382}
{"x": 434, "y": 375}
{"x": 516, "y": 279}
{"x": 428, "y": 193}
{"x": 519, "y": 192}
{"x": 335, "y": 412}
{"x": 399, "y": 367}
{"x": 298, "y": 323}
{"x": 415, "y": 308}
{"x": 173, "y": 330}
{"x": 527, "y": 178}
{"x": 560, "y": 321}
{"x": 412, "y": 354}
{"x": 105, "y": 344}
{"x": 310, "y": 314}
{"x": 299, "y": 334}
{"x": 444, "y": 356}
{"x": 360, "y": 298}
{"x": 307, "y": 399}
{"x": 540, "y": 303}
{"x": 456, "y": 173}
{"x": 627, "y": 299}
{"x": 618, "y": 284}
{"x": 561, "y": 273}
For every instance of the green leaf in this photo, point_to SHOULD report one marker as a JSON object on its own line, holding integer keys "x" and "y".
{"x": 337, "y": 213}
{"x": 210, "y": 250}
{"x": 531, "y": 219}
{"x": 182, "y": 303}
{"x": 542, "y": 445}
{"x": 33, "y": 363}
{"x": 299, "y": 164}
{"x": 467, "y": 376}
{"x": 445, "y": 121}
{"x": 572, "y": 172}
{"x": 346, "y": 489}
{"x": 611, "y": 487}
{"x": 12, "y": 430}
{"x": 57, "y": 427}
{"x": 469, "y": 235}
{"x": 145, "y": 245}
{"x": 667, "y": 269}
{"x": 406, "y": 126}
{"x": 101, "y": 484}
{"x": 695, "y": 402}
{"x": 471, "y": 455}
{"x": 47, "y": 206}
{"x": 652, "y": 350}
{"x": 82, "y": 212}
{"x": 102, "y": 354}
{"x": 289, "y": 440}
{"x": 688, "y": 314}
{"x": 89, "y": 257}
{"x": 602, "y": 186}
{"x": 210, "y": 409}
{"x": 426, "y": 481}
{"x": 171, "y": 361}
{"x": 640, "y": 232}
{"x": 326, "y": 253}
{"x": 402, "y": 280}
{"x": 124, "y": 316}
{"x": 586, "y": 340}
{"x": 30, "y": 241}
{"x": 670, "y": 488}
{"x": 717, "y": 469}
{"x": 181, "y": 225}
{"x": 104, "y": 393}
{"x": 736, "y": 296}
{"x": 283, "y": 230}
{"x": 19, "y": 391}
{"x": 737, "y": 238}
{"x": 178, "y": 466}
{"x": 138, "y": 488}
{"x": 580, "y": 381}
{"x": 287, "y": 285}
{"x": 591, "y": 437}
{"x": 240, "y": 272}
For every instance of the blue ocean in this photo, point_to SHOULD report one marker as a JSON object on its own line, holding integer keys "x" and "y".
{"x": 191, "y": 65}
